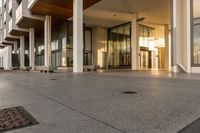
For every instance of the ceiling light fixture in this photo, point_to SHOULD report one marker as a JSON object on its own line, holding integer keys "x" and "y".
{"x": 141, "y": 19}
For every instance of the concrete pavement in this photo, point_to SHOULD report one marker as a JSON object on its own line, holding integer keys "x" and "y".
{"x": 94, "y": 102}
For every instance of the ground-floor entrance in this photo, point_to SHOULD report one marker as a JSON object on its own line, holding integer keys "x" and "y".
{"x": 112, "y": 42}
{"x": 145, "y": 59}
{"x": 114, "y": 51}
{"x": 153, "y": 47}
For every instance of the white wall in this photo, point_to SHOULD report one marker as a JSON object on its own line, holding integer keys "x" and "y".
{"x": 6, "y": 55}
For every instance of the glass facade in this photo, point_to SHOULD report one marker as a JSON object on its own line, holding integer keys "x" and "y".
{"x": 39, "y": 51}
{"x": 119, "y": 46}
{"x": 146, "y": 43}
{"x": 146, "y": 38}
{"x": 196, "y": 33}
{"x": 88, "y": 46}
{"x": 62, "y": 46}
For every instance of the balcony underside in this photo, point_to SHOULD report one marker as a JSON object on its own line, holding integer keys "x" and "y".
{"x": 10, "y": 38}
{"x": 26, "y": 22}
{"x": 15, "y": 32}
{"x": 57, "y": 8}
{"x": 7, "y": 43}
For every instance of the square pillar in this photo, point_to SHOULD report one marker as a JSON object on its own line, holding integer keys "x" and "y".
{"x": 15, "y": 47}
{"x": 166, "y": 28}
{"x": 31, "y": 48}
{"x": 77, "y": 35}
{"x": 135, "y": 42}
{"x": 181, "y": 47}
{"x": 22, "y": 50}
{"x": 47, "y": 41}
{"x": 189, "y": 36}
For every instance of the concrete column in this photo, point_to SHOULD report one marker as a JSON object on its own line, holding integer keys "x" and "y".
{"x": 22, "y": 50}
{"x": 181, "y": 36}
{"x": 166, "y": 28}
{"x": 77, "y": 35}
{"x": 9, "y": 58}
{"x": 47, "y": 41}
{"x": 31, "y": 48}
{"x": 176, "y": 34}
{"x": 188, "y": 34}
{"x": 135, "y": 43}
{"x": 15, "y": 47}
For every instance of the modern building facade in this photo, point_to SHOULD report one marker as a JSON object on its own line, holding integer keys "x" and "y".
{"x": 110, "y": 34}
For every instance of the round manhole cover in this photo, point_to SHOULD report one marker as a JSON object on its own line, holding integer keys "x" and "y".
{"x": 129, "y": 92}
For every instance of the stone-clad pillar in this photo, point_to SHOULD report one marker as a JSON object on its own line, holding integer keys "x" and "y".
{"x": 47, "y": 41}
{"x": 77, "y": 35}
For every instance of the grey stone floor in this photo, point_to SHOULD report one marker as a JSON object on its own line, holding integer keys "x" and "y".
{"x": 94, "y": 102}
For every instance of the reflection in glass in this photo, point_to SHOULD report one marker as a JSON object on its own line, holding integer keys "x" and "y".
{"x": 88, "y": 46}
{"x": 196, "y": 32}
{"x": 147, "y": 46}
{"x": 120, "y": 46}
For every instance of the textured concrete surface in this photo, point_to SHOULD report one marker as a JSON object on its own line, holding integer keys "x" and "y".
{"x": 94, "y": 102}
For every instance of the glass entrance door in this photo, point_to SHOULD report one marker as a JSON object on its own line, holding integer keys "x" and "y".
{"x": 145, "y": 59}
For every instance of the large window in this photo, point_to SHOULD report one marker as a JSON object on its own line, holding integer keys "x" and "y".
{"x": 62, "y": 46}
{"x": 88, "y": 46}
{"x": 39, "y": 53}
{"x": 196, "y": 33}
{"x": 147, "y": 45}
{"x": 146, "y": 36}
{"x": 120, "y": 46}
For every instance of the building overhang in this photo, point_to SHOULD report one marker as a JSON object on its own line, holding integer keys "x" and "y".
{"x": 26, "y": 22}
{"x": 7, "y": 43}
{"x": 9, "y": 39}
{"x": 24, "y": 19}
{"x": 56, "y": 8}
{"x": 2, "y": 45}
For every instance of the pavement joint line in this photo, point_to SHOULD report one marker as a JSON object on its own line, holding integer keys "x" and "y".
{"x": 72, "y": 108}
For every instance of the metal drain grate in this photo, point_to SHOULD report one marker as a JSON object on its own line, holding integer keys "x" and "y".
{"x": 53, "y": 79}
{"x": 192, "y": 128}
{"x": 15, "y": 118}
{"x": 129, "y": 92}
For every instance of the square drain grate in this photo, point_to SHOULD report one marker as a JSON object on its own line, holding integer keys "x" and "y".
{"x": 15, "y": 118}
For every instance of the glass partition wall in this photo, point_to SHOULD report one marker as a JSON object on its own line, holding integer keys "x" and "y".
{"x": 119, "y": 46}
{"x": 196, "y": 33}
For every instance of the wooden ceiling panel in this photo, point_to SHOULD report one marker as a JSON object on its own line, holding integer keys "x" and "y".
{"x": 58, "y": 8}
